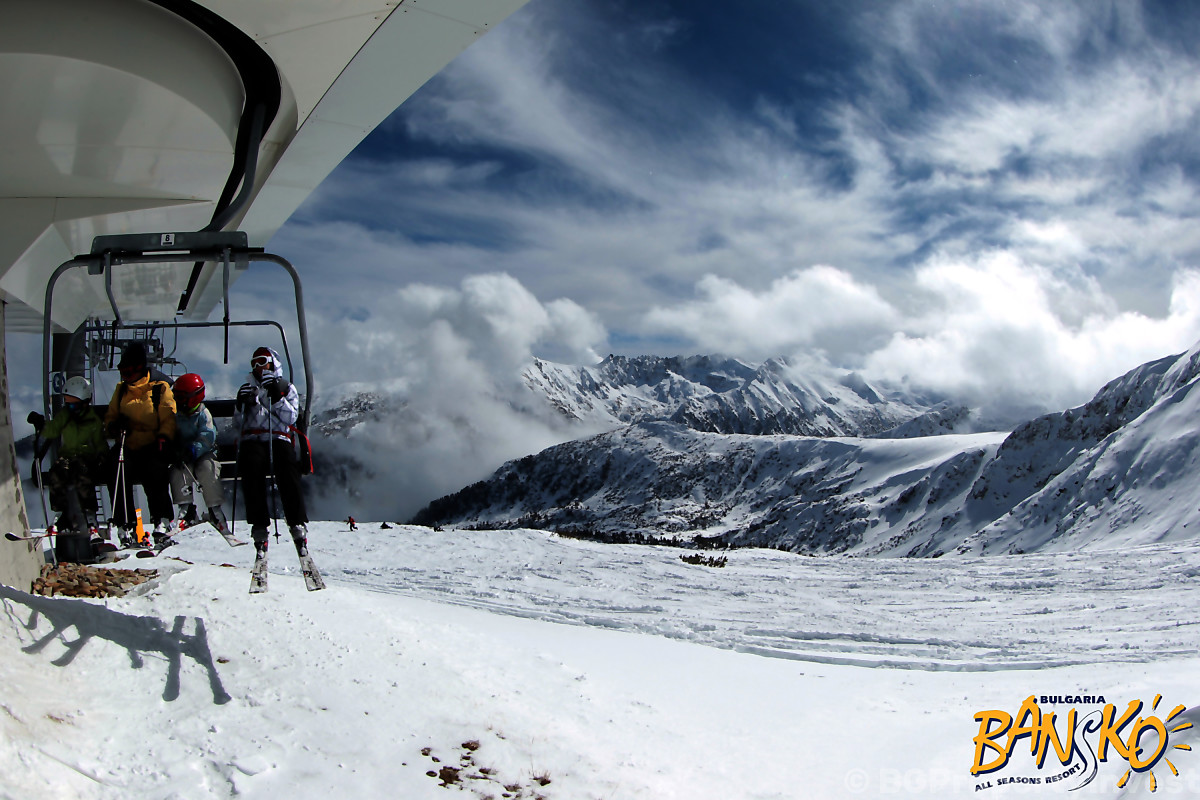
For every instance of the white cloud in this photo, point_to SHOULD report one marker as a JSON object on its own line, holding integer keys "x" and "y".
{"x": 453, "y": 356}
{"x": 1003, "y": 332}
{"x": 995, "y": 330}
{"x": 820, "y": 307}
{"x": 594, "y": 168}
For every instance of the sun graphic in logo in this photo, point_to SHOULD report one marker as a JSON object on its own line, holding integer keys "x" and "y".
{"x": 1138, "y": 762}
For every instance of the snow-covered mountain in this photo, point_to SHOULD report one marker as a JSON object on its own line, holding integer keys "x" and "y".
{"x": 721, "y": 395}
{"x": 374, "y": 446}
{"x": 1059, "y": 481}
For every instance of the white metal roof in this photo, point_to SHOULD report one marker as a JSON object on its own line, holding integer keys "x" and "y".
{"x": 119, "y": 117}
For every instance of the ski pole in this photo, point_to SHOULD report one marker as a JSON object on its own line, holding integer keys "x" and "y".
{"x": 191, "y": 477}
{"x": 37, "y": 464}
{"x": 50, "y": 531}
{"x": 271, "y": 488}
{"x": 120, "y": 484}
{"x": 237, "y": 457}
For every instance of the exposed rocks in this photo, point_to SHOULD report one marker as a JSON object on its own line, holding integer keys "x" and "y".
{"x": 81, "y": 580}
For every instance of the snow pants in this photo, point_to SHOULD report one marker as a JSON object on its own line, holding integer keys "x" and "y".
{"x": 255, "y": 462}
{"x": 147, "y": 467}
{"x": 72, "y": 486}
{"x": 204, "y": 471}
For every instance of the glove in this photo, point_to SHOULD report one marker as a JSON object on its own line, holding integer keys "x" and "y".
{"x": 276, "y": 388}
{"x": 117, "y": 427}
{"x": 247, "y": 397}
{"x": 195, "y": 450}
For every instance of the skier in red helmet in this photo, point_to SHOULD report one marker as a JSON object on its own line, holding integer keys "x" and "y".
{"x": 196, "y": 446}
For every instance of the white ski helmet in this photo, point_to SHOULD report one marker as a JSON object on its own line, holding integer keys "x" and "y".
{"x": 78, "y": 386}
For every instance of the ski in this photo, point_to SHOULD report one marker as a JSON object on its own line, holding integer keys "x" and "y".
{"x": 258, "y": 574}
{"x": 312, "y": 577}
{"x": 232, "y": 540}
{"x": 13, "y": 537}
{"x": 220, "y": 526}
{"x": 150, "y": 551}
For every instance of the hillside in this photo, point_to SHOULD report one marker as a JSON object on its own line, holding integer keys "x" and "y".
{"x": 384, "y": 452}
{"x": 1073, "y": 478}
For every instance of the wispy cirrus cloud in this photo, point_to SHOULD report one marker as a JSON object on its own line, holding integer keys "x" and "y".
{"x": 661, "y": 171}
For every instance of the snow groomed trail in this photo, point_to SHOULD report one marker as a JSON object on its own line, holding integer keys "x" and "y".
{"x": 1002, "y": 612}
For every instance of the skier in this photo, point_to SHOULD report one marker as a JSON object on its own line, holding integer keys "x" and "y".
{"x": 266, "y": 408}
{"x": 350, "y": 522}
{"x": 196, "y": 446}
{"x": 81, "y": 452}
{"x": 141, "y": 417}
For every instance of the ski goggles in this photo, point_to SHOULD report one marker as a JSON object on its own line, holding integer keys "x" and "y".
{"x": 261, "y": 361}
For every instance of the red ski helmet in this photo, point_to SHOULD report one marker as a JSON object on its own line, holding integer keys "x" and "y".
{"x": 189, "y": 391}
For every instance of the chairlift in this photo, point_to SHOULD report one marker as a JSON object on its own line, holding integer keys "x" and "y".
{"x": 104, "y": 341}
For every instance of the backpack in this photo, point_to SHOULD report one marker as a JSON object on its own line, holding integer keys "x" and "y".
{"x": 301, "y": 450}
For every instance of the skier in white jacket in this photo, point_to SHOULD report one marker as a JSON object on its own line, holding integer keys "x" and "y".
{"x": 266, "y": 410}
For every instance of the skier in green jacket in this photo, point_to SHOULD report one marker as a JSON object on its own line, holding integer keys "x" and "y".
{"x": 79, "y": 464}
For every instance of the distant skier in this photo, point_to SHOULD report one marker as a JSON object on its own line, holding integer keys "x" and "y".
{"x": 81, "y": 453}
{"x": 266, "y": 408}
{"x": 141, "y": 417}
{"x": 196, "y": 445}
{"x": 350, "y": 522}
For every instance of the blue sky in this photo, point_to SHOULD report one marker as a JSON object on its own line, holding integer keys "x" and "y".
{"x": 994, "y": 200}
{"x": 974, "y": 197}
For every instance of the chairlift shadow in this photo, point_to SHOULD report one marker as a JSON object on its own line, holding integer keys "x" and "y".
{"x": 140, "y": 636}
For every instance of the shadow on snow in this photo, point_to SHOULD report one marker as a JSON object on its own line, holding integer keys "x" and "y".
{"x": 138, "y": 635}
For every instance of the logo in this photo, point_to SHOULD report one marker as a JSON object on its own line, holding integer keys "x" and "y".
{"x": 1078, "y": 742}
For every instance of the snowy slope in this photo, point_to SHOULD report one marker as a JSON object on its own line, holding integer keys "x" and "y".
{"x": 1135, "y": 480}
{"x": 611, "y": 671}
{"x": 796, "y": 493}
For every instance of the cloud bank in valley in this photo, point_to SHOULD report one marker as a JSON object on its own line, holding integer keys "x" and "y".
{"x": 451, "y": 358}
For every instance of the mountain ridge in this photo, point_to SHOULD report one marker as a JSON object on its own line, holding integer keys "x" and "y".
{"x": 1059, "y": 480}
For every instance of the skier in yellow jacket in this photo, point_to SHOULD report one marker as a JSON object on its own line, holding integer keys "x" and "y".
{"x": 141, "y": 417}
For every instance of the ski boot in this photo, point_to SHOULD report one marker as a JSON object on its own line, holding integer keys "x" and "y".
{"x": 260, "y": 535}
{"x": 258, "y": 573}
{"x": 162, "y": 535}
{"x": 312, "y": 576}
{"x": 300, "y": 539}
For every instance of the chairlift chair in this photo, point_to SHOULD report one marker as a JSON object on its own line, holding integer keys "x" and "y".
{"x": 104, "y": 340}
